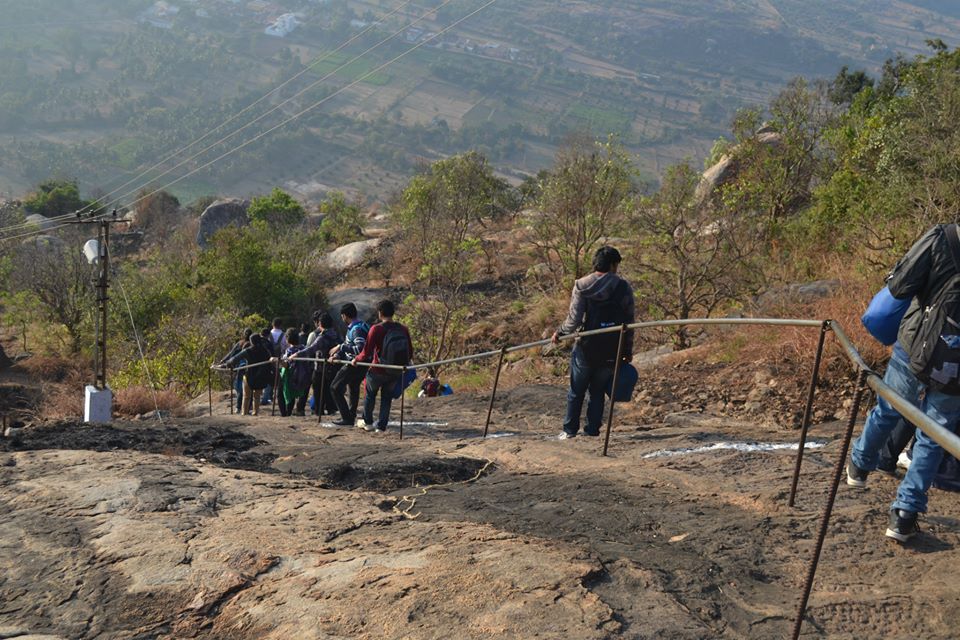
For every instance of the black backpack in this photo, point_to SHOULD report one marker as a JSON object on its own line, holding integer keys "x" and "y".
{"x": 935, "y": 353}
{"x": 395, "y": 349}
{"x": 601, "y": 350}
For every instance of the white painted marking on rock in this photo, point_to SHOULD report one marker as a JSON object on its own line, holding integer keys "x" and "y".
{"x": 745, "y": 447}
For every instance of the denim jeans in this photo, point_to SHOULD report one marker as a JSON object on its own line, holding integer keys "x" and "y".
{"x": 584, "y": 378}
{"x": 940, "y": 407}
{"x": 376, "y": 383}
{"x": 347, "y": 377}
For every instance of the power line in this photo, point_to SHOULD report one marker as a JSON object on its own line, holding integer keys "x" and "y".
{"x": 305, "y": 70}
{"x": 287, "y": 101}
{"x": 314, "y": 105}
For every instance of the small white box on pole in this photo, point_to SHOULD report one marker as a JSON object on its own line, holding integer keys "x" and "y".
{"x": 97, "y": 405}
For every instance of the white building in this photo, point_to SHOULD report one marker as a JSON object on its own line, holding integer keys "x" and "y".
{"x": 283, "y": 26}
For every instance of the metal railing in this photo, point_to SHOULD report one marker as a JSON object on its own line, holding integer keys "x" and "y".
{"x": 865, "y": 378}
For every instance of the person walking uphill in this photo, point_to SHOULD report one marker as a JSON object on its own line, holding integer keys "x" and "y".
{"x": 925, "y": 363}
{"x": 599, "y": 300}
{"x": 387, "y": 343}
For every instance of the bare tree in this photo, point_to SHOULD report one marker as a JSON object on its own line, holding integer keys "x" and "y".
{"x": 582, "y": 198}
{"x": 690, "y": 260}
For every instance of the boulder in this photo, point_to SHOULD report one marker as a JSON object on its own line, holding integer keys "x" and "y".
{"x": 726, "y": 168}
{"x": 804, "y": 293}
{"x": 350, "y": 256}
{"x": 365, "y": 299}
{"x": 41, "y": 222}
{"x": 222, "y": 214}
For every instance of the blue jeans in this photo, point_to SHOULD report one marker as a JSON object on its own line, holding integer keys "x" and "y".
{"x": 940, "y": 407}
{"x": 238, "y": 388}
{"x": 376, "y": 383}
{"x": 584, "y": 378}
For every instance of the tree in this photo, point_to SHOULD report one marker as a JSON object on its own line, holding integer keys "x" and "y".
{"x": 61, "y": 281}
{"x": 54, "y": 198}
{"x": 279, "y": 209}
{"x": 239, "y": 271}
{"x": 342, "y": 220}
{"x": 439, "y": 219}
{"x": 583, "y": 198}
{"x": 689, "y": 261}
{"x": 157, "y": 210}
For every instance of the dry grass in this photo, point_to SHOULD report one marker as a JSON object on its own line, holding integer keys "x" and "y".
{"x": 56, "y": 368}
{"x": 136, "y": 400}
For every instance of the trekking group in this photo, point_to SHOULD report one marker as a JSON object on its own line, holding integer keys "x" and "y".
{"x": 923, "y": 294}
{"x": 319, "y": 361}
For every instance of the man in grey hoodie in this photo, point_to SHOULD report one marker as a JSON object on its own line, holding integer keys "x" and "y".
{"x": 600, "y": 299}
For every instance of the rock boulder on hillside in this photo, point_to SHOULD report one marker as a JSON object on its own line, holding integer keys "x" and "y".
{"x": 222, "y": 214}
{"x": 350, "y": 256}
{"x": 727, "y": 167}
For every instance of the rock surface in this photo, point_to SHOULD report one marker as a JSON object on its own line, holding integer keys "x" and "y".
{"x": 365, "y": 299}
{"x": 353, "y": 255}
{"x": 222, "y": 214}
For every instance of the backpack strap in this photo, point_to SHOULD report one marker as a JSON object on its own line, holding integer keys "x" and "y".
{"x": 952, "y": 233}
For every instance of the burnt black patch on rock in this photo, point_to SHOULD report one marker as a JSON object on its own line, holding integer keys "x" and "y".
{"x": 391, "y": 476}
{"x": 217, "y": 445}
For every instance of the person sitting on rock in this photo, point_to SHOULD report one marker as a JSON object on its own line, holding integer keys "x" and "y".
{"x": 600, "y": 300}
{"x": 430, "y": 387}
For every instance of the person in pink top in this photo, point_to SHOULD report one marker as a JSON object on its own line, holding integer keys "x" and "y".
{"x": 387, "y": 343}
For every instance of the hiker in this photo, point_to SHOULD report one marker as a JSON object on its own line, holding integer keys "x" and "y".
{"x": 238, "y": 346}
{"x": 295, "y": 377}
{"x": 600, "y": 299}
{"x": 325, "y": 339}
{"x": 430, "y": 387}
{"x": 927, "y": 275}
{"x": 304, "y": 334}
{"x": 387, "y": 343}
{"x": 349, "y": 376}
{"x": 254, "y": 378}
{"x": 270, "y": 345}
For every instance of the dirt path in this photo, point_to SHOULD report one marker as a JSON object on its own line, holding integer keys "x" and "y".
{"x": 277, "y": 528}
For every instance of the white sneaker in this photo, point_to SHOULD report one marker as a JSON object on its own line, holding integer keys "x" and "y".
{"x": 366, "y": 426}
{"x": 566, "y": 436}
{"x": 903, "y": 461}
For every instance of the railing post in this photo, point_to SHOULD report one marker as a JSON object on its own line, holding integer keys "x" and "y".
{"x": 403, "y": 378}
{"x": 828, "y": 509}
{"x": 808, "y": 410}
{"x": 493, "y": 394}
{"x": 318, "y": 402}
{"x": 613, "y": 394}
{"x": 210, "y": 390}
{"x": 233, "y": 385}
{"x": 276, "y": 385}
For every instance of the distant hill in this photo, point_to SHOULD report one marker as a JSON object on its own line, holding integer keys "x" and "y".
{"x": 101, "y": 89}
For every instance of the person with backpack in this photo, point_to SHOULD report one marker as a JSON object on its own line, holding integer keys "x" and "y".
{"x": 387, "y": 343}
{"x": 599, "y": 300}
{"x": 295, "y": 377}
{"x": 254, "y": 378}
{"x": 430, "y": 388}
{"x": 240, "y": 345}
{"x": 349, "y": 377}
{"x": 925, "y": 363}
{"x": 325, "y": 339}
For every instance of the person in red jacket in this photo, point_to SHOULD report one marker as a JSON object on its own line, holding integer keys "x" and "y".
{"x": 387, "y": 343}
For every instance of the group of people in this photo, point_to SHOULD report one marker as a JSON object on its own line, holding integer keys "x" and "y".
{"x": 924, "y": 367}
{"x": 321, "y": 362}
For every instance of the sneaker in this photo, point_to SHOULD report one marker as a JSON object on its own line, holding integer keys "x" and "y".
{"x": 903, "y": 525}
{"x": 856, "y": 477}
{"x": 366, "y": 426}
{"x": 566, "y": 436}
{"x": 904, "y": 460}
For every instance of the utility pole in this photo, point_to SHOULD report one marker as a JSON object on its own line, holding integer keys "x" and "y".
{"x": 103, "y": 284}
{"x": 98, "y": 399}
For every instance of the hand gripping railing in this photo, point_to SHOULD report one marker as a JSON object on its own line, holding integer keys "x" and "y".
{"x": 865, "y": 378}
